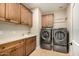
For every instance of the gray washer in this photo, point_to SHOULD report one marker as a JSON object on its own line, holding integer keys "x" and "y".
{"x": 46, "y": 35}
{"x": 46, "y": 46}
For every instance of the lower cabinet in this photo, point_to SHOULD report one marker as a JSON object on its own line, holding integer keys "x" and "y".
{"x": 12, "y": 49}
{"x": 18, "y": 48}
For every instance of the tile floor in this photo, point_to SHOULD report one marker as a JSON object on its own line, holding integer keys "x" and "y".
{"x": 43, "y": 52}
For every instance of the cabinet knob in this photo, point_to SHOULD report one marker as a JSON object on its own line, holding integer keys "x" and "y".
{"x": 3, "y": 55}
{"x": 13, "y": 50}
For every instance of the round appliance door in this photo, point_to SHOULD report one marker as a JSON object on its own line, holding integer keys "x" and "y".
{"x": 45, "y": 35}
{"x": 60, "y": 38}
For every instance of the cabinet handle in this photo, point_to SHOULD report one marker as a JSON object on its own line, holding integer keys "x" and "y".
{"x": 3, "y": 47}
{"x": 19, "y": 42}
{"x": 7, "y": 19}
{"x": 13, "y": 50}
{"x": 3, "y": 55}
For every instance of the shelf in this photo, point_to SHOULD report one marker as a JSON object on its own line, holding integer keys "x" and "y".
{"x": 60, "y": 20}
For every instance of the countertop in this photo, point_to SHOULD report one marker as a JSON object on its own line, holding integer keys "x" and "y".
{"x": 2, "y": 41}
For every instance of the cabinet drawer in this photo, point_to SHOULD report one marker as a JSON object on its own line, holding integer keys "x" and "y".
{"x": 9, "y": 45}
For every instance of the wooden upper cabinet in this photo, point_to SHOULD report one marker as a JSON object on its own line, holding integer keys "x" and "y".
{"x": 2, "y": 11}
{"x": 16, "y": 13}
{"x": 26, "y": 16}
{"x": 13, "y": 12}
{"x": 30, "y": 19}
{"x": 47, "y": 20}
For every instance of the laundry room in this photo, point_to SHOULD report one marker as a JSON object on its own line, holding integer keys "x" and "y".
{"x": 38, "y": 29}
{"x": 55, "y": 23}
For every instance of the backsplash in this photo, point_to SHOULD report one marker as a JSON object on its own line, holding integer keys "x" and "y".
{"x": 11, "y": 30}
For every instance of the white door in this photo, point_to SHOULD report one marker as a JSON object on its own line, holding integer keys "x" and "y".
{"x": 75, "y": 29}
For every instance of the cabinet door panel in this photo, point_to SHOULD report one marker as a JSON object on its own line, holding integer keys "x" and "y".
{"x": 2, "y": 11}
{"x": 18, "y": 50}
{"x": 50, "y": 20}
{"x": 28, "y": 50}
{"x": 30, "y": 45}
{"x": 24, "y": 15}
{"x": 13, "y": 12}
{"x": 30, "y": 19}
{"x": 47, "y": 20}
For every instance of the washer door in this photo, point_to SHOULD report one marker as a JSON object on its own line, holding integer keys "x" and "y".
{"x": 45, "y": 35}
{"x": 60, "y": 37}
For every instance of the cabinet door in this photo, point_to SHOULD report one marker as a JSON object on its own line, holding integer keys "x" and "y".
{"x": 18, "y": 50}
{"x": 30, "y": 45}
{"x": 44, "y": 21}
{"x": 50, "y": 20}
{"x": 47, "y": 20}
{"x": 2, "y": 11}
{"x": 30, "y": 19}
{"x": 28, "y": 50}
{"x": 24, "y": 15}
{"x": 13, "y": 12}
{"x": 34, "y": 45}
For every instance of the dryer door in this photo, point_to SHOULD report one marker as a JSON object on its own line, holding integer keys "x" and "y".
{"x": 60, "y": 37}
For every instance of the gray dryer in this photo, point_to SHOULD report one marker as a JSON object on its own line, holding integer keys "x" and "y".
{"x": 60, "y": 40}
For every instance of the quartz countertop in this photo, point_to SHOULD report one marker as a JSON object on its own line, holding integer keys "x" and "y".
{"x": 10, "y": 39}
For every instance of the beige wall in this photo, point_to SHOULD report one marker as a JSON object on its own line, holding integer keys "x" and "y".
{"x": 36, "y": 24}
{"x": 69, "y": 24}
{"x": 59, "y": 19}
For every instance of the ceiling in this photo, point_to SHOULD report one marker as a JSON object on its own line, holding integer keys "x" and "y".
{"x": 46, "y": 7}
